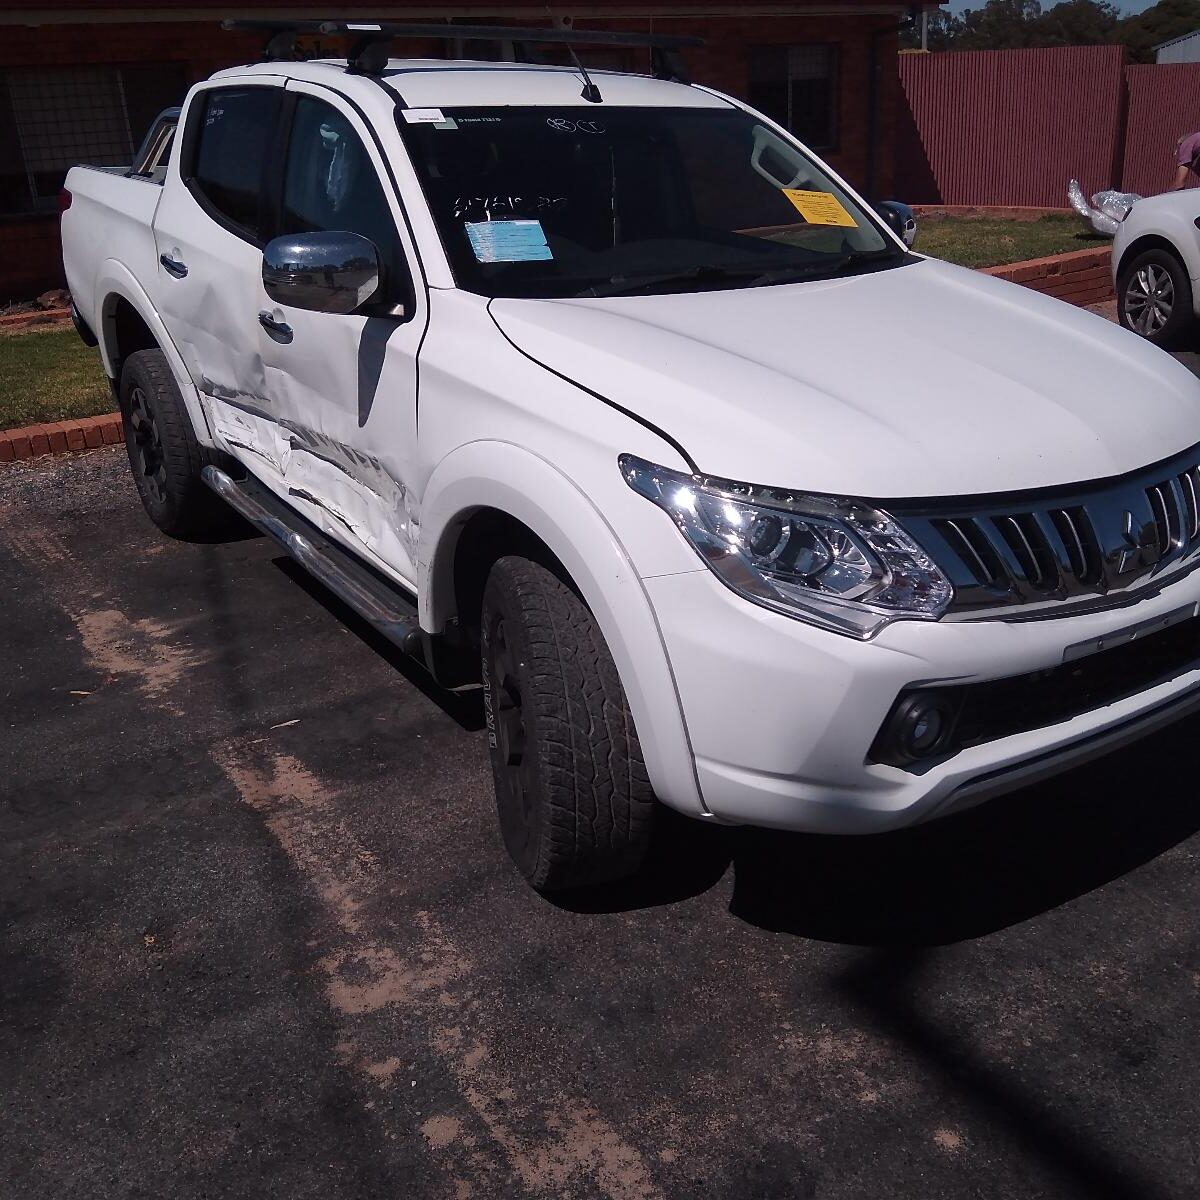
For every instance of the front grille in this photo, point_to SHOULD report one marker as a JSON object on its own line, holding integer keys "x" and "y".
{"x": 1048, "y": 546}
{"x": 983, "y": 712}
{"x": 1005, "y": 706}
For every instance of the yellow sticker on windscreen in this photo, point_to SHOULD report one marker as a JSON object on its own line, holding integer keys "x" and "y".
{"x": 820, "y": 208}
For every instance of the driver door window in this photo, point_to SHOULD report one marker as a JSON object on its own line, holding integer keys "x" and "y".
{"x": 330, "y": 185}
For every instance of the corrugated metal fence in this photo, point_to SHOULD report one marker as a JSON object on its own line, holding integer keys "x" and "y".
{"x": 1164, "y": 103}
{"x": 1008, "y": 126}
{"x": 1011, "y": 127}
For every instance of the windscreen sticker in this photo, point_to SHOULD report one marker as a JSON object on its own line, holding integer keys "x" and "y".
{"x": 423, "y": 116}
{"x": 508, "y": 241}
{"x": 563, "y": 125}
{"x": 820, "y": 208}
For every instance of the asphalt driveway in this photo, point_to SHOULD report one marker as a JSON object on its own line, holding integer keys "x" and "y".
{"x": 258, "y": 935}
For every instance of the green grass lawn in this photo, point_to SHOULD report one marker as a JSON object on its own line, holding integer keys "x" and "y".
{"x": 50, "y": 376}
{"x": 984, "y": 242}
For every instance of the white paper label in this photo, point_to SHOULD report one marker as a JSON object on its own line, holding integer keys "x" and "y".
{"x": 423, "y": 116}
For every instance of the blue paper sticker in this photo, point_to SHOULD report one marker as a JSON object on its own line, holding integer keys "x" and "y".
{"x": 508, "y": 241}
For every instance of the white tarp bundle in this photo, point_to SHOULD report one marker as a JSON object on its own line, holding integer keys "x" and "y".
{"x": 1106, "y": 211}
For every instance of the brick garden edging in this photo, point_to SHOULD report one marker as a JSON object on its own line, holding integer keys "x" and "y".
{"x": 15, "y": 322}
{"x": 1080, "y": 277}
{"x": 58, "y": 437}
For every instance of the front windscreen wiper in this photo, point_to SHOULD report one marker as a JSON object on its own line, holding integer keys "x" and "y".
{"x": 620, "y": 285}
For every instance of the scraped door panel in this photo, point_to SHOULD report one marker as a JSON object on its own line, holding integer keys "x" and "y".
{"x": 343, "y": 388}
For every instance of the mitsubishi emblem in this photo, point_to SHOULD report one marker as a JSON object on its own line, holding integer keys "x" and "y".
{"x": 1137, "y": 549}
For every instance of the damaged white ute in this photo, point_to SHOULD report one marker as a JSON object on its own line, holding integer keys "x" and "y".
{"x": 604, "y": 394}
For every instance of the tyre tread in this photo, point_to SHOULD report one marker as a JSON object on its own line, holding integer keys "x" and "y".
{"x": 598, "y": 803}
{"x": 191, "y": 509}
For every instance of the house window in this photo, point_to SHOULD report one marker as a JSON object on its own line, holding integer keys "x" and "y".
{"x": 53, "y": 118}
{"x": 797, "y": 87}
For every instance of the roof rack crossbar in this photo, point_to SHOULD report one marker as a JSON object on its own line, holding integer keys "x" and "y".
{"x": 372, "y": 39}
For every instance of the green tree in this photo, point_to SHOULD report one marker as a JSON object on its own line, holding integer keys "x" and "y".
{"x": 1078, "y": 23}
{"x": 1000, "y": 25}
{"x": 1166, "y": 20}
{"x": 1023, "y": 24}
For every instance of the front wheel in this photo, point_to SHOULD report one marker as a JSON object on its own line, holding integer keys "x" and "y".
{"x": 573, "y": 796}
{"x": 1154, "y": 298}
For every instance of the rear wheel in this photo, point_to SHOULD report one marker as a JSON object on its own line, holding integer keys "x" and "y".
{"x": 164, "y": 456}
{"x": 572, "y": 793}
{"x": 1154, "y": 296}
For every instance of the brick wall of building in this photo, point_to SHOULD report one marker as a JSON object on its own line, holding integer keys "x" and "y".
{"x": 29, "y": 247}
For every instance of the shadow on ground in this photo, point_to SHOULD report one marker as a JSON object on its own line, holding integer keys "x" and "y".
{"x": 894, "y": 993}
{"x": 465, "y": 708}
{"x": 959, "y": 878}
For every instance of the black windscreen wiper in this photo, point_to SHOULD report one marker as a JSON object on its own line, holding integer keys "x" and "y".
{"x": 621, "y": 285}
{"x": 830, "y": 266}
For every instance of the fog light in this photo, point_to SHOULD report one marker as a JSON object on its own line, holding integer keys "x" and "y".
{"x": 921, "y": 725}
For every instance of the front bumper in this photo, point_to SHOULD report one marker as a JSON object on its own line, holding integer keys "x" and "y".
{"x": 782, "y": 716}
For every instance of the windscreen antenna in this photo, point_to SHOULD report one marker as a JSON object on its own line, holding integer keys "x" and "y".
{"x": 590, "y": 91}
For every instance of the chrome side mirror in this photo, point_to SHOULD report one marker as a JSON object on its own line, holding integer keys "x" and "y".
{"x": 321, "y": 272}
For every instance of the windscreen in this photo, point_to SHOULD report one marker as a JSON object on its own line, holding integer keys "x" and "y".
{"x": 548, "y": 202}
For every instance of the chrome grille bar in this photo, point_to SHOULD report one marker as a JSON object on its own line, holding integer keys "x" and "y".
{"x": 1089, "y": 541}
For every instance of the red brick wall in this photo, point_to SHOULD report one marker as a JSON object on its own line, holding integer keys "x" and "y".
{"x": 1082, "y": 277}
{"x": 29, "y": 249}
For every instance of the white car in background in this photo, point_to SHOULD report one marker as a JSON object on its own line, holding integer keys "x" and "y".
{"x": 1156, "y": 268}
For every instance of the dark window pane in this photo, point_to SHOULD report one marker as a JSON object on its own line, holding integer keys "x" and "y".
{"x": 769, "y": 82}
{"x": 14, "y": 180}
{"x": 812, "y": 74}
{"x": 54, "y": 117}
{"x": 797, "y": 86}
{"x": 331, "y": 184}
{"x": 62, "y": 116}
{"x": 148, "y": 90}
{"x": 231, "y": 153}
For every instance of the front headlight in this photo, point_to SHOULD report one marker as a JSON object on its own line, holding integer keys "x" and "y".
{"x": 836, "y": 563}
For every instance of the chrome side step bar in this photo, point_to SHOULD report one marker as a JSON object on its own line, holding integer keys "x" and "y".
{"x": 384, "y": 607}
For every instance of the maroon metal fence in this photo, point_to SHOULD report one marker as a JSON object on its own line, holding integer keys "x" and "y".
{"x": 1164, "y": 102}
{"x": 1009, "y": 127}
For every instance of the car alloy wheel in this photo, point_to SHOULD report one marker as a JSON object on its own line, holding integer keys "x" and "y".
{"x": 147, "y": 446}
{"x": 1149, "y": 299}
{"x": 511, "y": 737}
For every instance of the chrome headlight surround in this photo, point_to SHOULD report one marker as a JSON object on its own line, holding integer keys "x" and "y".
{"x": 836, "y": 563}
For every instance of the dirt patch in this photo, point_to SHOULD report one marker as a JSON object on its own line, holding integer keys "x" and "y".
{"x": 368, "y": 979}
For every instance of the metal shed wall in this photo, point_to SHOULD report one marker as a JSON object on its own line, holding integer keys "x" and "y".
{"x": 1164, "y": 103}
{"x": 1184, "y": 49}
{"x": 1009, "y": 127}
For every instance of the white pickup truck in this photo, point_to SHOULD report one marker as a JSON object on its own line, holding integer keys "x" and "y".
{"x": 601, "y": 391}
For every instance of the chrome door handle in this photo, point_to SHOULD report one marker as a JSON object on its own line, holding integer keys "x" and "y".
{"x": 279, "y": 330}
{"x": 173, "y": 265}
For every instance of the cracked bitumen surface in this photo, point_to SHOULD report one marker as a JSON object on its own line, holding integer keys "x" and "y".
{"x": 259, "y": 936}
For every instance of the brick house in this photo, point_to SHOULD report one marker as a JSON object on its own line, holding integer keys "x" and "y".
{"x": 80, "y": 81}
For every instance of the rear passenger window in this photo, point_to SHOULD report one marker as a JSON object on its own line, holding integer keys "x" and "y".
{"x": 232, "y": 143}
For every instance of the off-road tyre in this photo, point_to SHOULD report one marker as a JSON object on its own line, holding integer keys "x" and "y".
{"x": 1154, "y": 299}
{"x": 164, "y": 456}
{"x": 572, "y": 793}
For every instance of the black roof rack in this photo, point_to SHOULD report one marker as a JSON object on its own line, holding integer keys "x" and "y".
{"x": 372, "y": 40}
